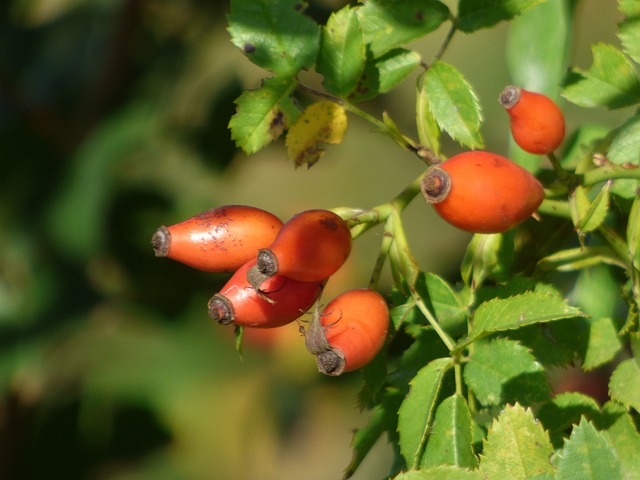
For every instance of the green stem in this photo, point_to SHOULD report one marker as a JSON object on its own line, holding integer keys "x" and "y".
{"x": 554, "y": 208}
{"x": 385, "y": 245}
{"x": 610, "y": 171}
{"x": 363, "y": 220}
{"x": 447, "y": 41}
{"x": 563, "y": 175}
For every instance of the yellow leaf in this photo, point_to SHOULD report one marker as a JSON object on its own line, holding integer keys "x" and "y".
{"x": 321, "y": 122}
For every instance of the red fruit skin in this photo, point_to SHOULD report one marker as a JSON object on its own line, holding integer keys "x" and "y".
{"x": 537, "y": 123}
{"x": 221, "y": 239}
{"x": 489, "y": 193}
{"x": 356, "y": 323}
{"x": 312, "y": 245}
{"x": 288, "y": 299}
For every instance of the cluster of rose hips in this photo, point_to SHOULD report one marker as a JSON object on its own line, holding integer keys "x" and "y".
{"x": 280, "y": 271}
{"x": 482, "y": 192}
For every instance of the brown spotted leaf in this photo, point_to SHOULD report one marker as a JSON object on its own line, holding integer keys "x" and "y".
{"x": 322, "y": 122}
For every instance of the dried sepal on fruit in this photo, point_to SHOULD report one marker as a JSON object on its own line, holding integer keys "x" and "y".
{"x": 482, "y": 192}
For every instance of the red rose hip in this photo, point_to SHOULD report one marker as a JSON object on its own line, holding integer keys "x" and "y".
{"x": 537, "y": 123}
{"x": 482, "y": 192}
{"x": 349, "y": 331}
{"x": 283, "y": 300}
{"x": 219, "y": 240}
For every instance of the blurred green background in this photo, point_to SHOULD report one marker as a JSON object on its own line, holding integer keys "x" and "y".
{"x": 113, "y": 121}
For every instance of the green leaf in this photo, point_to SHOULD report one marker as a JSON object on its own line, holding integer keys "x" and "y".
{"x": 276, "y": 36}
{"x": 428, "y": 129}
{"x": 383, "y": 73}
{"x": 597, "y": 210}
{"x": 624, "y": 150}
{"x": 516, "y": 447}
{"x": 403, "y": 264}
{"x": 624, "y": 438}
{"x": 611, "y": 81}
{"x": 450, "y": 440}
{"x": 537, "y": 47}
{"x": 624, "y": 385}
{"x": 415, "y": 415}
{"x": 321, "y": 123}
{"x": 476, "y": 14}
{"x": 383, "y": 419}
{"x": 487, "y": 255}
{"x": 388, "y": 23}
{"x": 633, "y": 232}
{"x": 263, "y": 114}
{"x": 517, "y": 312}
{"x": 587, "y": 455}
{"x": 580, "y": 258}
{"x": 440, "y": 473}
{"x": 629, "y": 32}
{"x": 503, "y": 371}
{"x": 563, "y": 411}
{"x": 446, "y": 305}
{"x": 630, "y": 8}
{"x": 341, "y": 58}
{"x": 603, "y": 345}
{"x": 453, "y": 103}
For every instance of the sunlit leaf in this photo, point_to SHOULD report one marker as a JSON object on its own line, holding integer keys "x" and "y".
{"x": 428, "y": 129}
{"x": 450, "y": 440}
{"x": 388, "y": 24}
{"x": 511, "y": 313}
{"x": 624, "y": 385}
{"x": 322, "y": 122}
{"x": 611, "y": 81}
{"x": 441, "y": 473}
{"x": 341, "y": 59}
{"x": 276, "y": 36}
{"x": 625, "y": 439}
{"x": 416, "y": 413}
{"x": 624, "y": 150}
{"x": 453, "y": 104}
{"x": 503, "y": 371}
{"x": 629, "y": 29}
{"x": 263, "y": 114}
{"x": 383, "y": 73}
{"x": 516, "y": 447}
{"x": 587, "y": 455}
